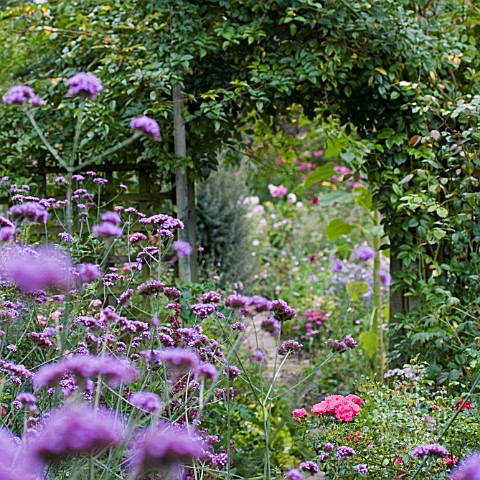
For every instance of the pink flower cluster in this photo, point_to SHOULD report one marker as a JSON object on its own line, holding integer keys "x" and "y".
{"x": 344, "y": 408}
{"x": 279, "y": 191}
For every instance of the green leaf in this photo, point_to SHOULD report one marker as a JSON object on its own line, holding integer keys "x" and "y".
{"x": 369, "y": 343}
{"x": 406, "y": 179}
{"x": 338, "y": 227}
{"x": 362, "y": 197}
{"x": 337, "y": 196}
{"x": 319, "y": 175}
{"x": 354, "y": 289}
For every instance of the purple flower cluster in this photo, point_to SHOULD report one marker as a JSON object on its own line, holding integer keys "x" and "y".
{"x": 309, "y": 466}
{"x": 35, "y": 212}
{"x": 179, "y": 360}
{"x": 293, "y": 474}
{"x": 84, "y": 84}
{"x": 271, "y": 325}
{"x": 468, "y": 468}
{"x": 183, "y": 249}
{"x": 341, "y": 346}
{"x": 344, "y": 452}
{"x": 429, "y": 449}
{"x": 362, "y": 468}
{"x": 364, "y": 253}
{"x": 75, "y": 430}
{"x": 151, "y": 287}
{"x": 282, "y": 311}
{"x": 289, "y": 346}
{"x": 20, "y": 94}
{"x": 114, "y": 371}
{"x": 146, "y": 401}
{"x": 147, "y": 125}
{"x": 203, "y": 310}
{"x": 164, "y": 445}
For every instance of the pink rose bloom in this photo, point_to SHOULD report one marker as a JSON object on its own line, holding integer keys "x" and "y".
{"x": 318, "y": 153}
{"x": 354, "y": 399}
{"x": 299, "y": 413}
{"x": 279, "y": 191}
{"x": 344, "y": 408}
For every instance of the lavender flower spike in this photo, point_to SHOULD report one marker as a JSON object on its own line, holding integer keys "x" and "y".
{"x": 147, "y": 125}
{"x": 84, "y": 83}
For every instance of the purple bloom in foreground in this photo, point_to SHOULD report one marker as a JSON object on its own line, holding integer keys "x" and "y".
{"x": 282, "y": 311}
{"x": 293, "y": 474}
{"x": 207, "y": 371}
{"x": 289, "y": 346}
{"x": 180, "y": 360}
{"x": 29, "y": 211}
{"x": 362, "y": 468}
{"x": 7, "y": 234}
{"x": 183, "y": 249}
{"x": 429, "y": 449}
{"x": 364, "y": 253}
{"x": 164, "y": 445}
{"x": 84, "y": 83}
{"x": 88, "y": 272}
{"x": 309, "y": 466}
{"x": 344, "y": 452}
{"x": 75, "y": 430}
{"x": 20, "y": 94}
{"x": 146, "y": 401}
{"x": 468, "y": 468}
{"x": 147, "y": 125}
{"x": 107, "y": 229}
{"x": 9, "y": 465}
{"x": 111, "y": 217}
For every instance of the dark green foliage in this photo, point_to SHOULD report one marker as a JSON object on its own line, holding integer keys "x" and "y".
{"x": 223, "y": 225}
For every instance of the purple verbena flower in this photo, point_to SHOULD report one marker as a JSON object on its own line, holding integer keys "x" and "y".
{"x": 147, "y": 125}
{"x": 207, "y": 371}
{"x": 289, "y": 346}
{"x": 271, "y": 325}
{"x": 75, "y": 430}
{"x": 183, "y": 249}
{"x": 236, "y": 300}
{"x": 203, "y": 310}
{"x": 32, "y": 211}
{"x": 146, "y": 401}
{"x": 309, "y": 466}
{"x": 88, "y": 272}
{"x": 85, "y": 84}
{"x": 429, "y": 449}
{"x": 239, "y": 326}
{"x": 210, "y": 297}
{"x": 468, "y": 468}
{"x": 111, "y": 217}
{"x": 350, "y": 342}
{"x": 344, "y": 452}
{"x": 107, "y": 229}
{"x": 151, "y": 287}
{"x": 293, "y": 474}
{"x": 179, "y": 360}
{"x": 163, "y": 445}
{"x": 7, "y": 234}
{"x": 19, "y": 94}
{"x": 362, "y": 468}
{"x": 364, "y": 253}
{"x": 282, "y": 311}
{"x": 328, "y": 447}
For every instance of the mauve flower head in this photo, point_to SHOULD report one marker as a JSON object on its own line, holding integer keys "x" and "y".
{"x": 147, "y": 125}
{"x": 85, "y": 84}
{"x": 362, "y": 468}
{"x": 75, "y": 430}
{"x": 111, "y": 217}
{"x": 207, "y": 371}
{"x": 88, "y": 272}
{"x": 429, "y": 449}
{"x": 289, "y": 346}
{"x": 328, "y": 447}
{"x": 364, "y": 253}
{"x": 18, "y": 94}
{"x": 271, "y": 325}
{"x": 293, "y": 474}
{"x": 36, "y": 269}
{"x": 10, "y": 468}
{"x": 33, "y": 211}
{"x": 106, "y": 230}
{"x": 183, "y": 249}
{"x": 385, "y": 278}
{"x": 114, "y": 371}
{"x": 179, "y": 360}
{"x": 468, "y": 468}
{"x": 7, "y": 234}
{"x": 25, "y": 398}
{"x": 344, "y": 452}
{"x": 235, "y": 300}
{"x": 282, "y": 311}
{"x": 350, "y": 342}
{"x": 210, "y": 297}
{"x": 309, "y": 466}
{"x": 146, "y": 401}
{"x": 151, "y": 287}
{"x": 163, "y": 446}
{"x": 203, "y": 310}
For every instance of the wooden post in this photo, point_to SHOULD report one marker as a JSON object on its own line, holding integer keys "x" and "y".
{"x": 184, "y": 190}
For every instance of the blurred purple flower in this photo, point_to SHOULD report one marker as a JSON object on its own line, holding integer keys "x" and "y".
{"x": 309, "y": 466}
{"x": 293, "y": 474}
{"x": 362, "y": 468}
{"x": 364, "y": 253}
{"x": 146, "y": 401}
{"x": 10, "y": 468}
{"x": 429, "y": 449}
{"x": 271, "y": 325}
{"x": 20, "y": 94}
{"x": 84, "y": 83}
{"x": 235, "y": 300}
{"x": 75, "y": 430}
{"x": 32, "y": 211}
{"x": 289, "y": 346}
{"x": 207, "y": 371}
{"x": 151, "y": 287}
{"x": 282, "y": 311}
{"x": 163, "y": 445}
{"x": 107, "y": 229}
{"x": 179, "y": 360}
{"x": 111, "y": 217}
{"x": 88, "y": 272}
{"x": 183, "y": 249}
{"x": 344, "y": 452}
{"x": 147, "y": 125}
{"x": 468, "y": 468}
{"x": 36, "y": 269}
{"x": 385, "y": 278}
{"x": 7, "y": 234}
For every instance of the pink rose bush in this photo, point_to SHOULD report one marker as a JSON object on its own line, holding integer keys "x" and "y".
{"x": 344, "y": 408}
